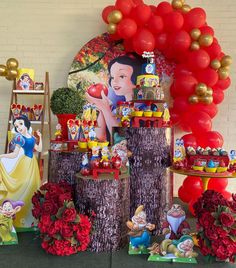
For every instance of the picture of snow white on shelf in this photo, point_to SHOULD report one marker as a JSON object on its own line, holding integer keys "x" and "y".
{"x": 19, "y": 171}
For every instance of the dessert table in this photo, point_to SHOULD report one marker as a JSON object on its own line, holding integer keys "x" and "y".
{"x": 205, "y": 176}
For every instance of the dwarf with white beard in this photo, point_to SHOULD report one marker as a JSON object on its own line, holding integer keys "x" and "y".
{"x": 175, "y": 225}
{"x": 139, "y": 229}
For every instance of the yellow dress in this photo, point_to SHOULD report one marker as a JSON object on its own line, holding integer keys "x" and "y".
{"x": 22, "y": 181}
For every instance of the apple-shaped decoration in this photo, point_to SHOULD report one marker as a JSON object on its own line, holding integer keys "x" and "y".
{"x": 85, "y": 171}
{"x": 95, "y": 163}
{"x": 105, "y": 164}
{"x": 116, "y": 162}
{"x": 95, "y": 90}
{"x": 222, "y": 163}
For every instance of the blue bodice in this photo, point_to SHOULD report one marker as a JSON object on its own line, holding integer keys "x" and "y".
{"x": 26, "y": 143}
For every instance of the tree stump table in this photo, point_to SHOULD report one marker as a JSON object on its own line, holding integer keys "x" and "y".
{"x": 110, "y": 200}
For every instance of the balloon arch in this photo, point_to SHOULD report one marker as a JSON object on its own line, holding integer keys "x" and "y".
{"x": 182, "y": 35}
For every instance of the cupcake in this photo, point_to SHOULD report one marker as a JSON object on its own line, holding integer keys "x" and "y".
{"x": 198, "y": 166}
{"x": 103, "y": 144}
{"x": 138, "y": 113}
{"x": 82, "y": 143}
{"x": 211, "y": 167}
{"x": 221, "y": 167}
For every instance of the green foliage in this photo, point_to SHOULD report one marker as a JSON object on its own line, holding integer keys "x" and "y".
{"x": 67, "y": 101}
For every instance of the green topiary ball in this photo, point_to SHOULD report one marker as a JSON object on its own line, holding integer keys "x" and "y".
{"x": 66, "y": 101}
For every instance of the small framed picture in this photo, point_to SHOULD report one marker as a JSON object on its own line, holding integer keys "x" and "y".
{"x": 38, "y": 86}
{"x": 25, "y": 79}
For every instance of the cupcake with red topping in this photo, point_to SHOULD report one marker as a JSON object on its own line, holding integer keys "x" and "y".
{"x": 198, "y": 166}
{"x": 222, "y": 167}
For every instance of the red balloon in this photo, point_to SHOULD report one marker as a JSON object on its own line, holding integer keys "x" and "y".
{"x": 181, "y": 104}
{"x": 180, "y": 41}
{"x": 185, "y": 84}
{"x": 175, "y": 117}
{"x": 114, "y": 37}
{"x": 182, "y": 69}
{"x": 127, "y": 28}
{"x": 141, "y": 14}
{"x": 213, "y": 139}
{"x": 124, "y": 6}
{"x": 128, "y": 45}
{"x": 184, "y": 195}
{"x": 106, "y": 11}
{"x": 190, "y": 140}
{"x": 164, "y": 8}
{"x": 173, "y": 90}
{"x": 218, "y": 185}
{"x": 155, "y": 24}
{"x": 137, "y": 2}
{"x": 210, "y": 109}
{"x": 198, "y": 59}
{"x": 193, "y": 185}
{"x": 173, "y": 21}
{"x": 200, "y": 123}
{"x": 218, "y": 96}
{"x": 195, "y": 18}
{"x": 207, "y": 30}
{"x": 214, "y": 50}
{"x": 143, "y": 41}
{"x": 227, "y": 195}
{"x": 223, "y": 83}
{"x": 153, "y": 8}
{"x": 161, "y": 41}
{"x": 185, "y": 122}
{"x": 207, "y": 76}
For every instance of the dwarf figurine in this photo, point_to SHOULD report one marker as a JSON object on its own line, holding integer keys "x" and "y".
{"x": 58, "y": 133}
{"x": 181, "y": 248}
{"x": 176, "y": 225}
{"x": 139, "y": 229}
{"x": 8, "y": 211}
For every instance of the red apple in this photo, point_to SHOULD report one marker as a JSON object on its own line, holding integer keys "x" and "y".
{"x": 125, "y": 123}
{"x": 95, "y": 163}
{"x": 105, "y": 164}
{"x": 95, "y": 90}
{"x": 85, "y": 171}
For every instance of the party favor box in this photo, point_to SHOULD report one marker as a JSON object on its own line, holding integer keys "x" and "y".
{"x": 25, "y": 79}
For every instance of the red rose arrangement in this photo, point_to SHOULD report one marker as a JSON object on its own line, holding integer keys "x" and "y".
{"x": 216, "y": 226}
{"x": 63, "y": 230}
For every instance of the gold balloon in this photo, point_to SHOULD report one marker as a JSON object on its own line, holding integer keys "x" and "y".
{"x": 114, "y": 17}
{"x": 205, "y": 40}
{"x": 206, "y": 99}
{"x": 226, "y": 61}
{"x": 195, "y": 45}
{"x": 11, "y": 74}
{"x": 223, "y": 73}
{"x": 111, "y": 28}
{"x": 177, "y": 4}
{"x": 209, "y": 91}
{"x": 12, "y": 63}
{"x": 227, "y": 67}
{"x": 195, "y": 34}
{"x": 215, "y": 64}
{"x": 185, "y": 8}
{"x": 3, "y": 70}
{"x": 201, "y": 89}
{"x": 193, "y": 99}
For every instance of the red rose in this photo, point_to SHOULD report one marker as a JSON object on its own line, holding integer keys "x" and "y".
{"x": 58, "y": 225}
{"x": 36, "y": 198}
{"x": 52, "y": 230}
{"x": 211, "y": 234}
{"x": 69, "y": 215}
{"x": 233, "y": 232}
{"x": 49, "y": 207}
{"x": 36, "y": 212}
{"x": 44, "y": 223}
{"x": 64, "y": 197}
{"x": 221, "y": 232}
{"x": 226, "y": 219}
{"x": 66, "y": 231}
{"x": 222, "y": 253}
{"x": 206, "y": 219}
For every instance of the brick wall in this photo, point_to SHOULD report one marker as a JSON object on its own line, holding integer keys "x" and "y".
{"x": 45, "y": 35}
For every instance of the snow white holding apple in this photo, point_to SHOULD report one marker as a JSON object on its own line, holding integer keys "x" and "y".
{"x": 123, "y": 71}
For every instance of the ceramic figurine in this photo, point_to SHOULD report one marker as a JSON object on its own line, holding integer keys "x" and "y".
{"x": 94, "y": 115}
{"x": 139, "y": 230}
{"x": 58, "y": 133}
{"x": 232, "y": 156}
{"x": 85, "y": 170}
{"x": 175, "y": 225}
{"x": 166, "y": 114}
{"x": 92, "y": 134}
{"x": 8, "y": 210}
{"x": 179, "y": 143}
{"x": 181, "y": 248}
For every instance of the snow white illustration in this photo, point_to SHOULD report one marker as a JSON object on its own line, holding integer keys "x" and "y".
{"x": 19, "y": 171}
